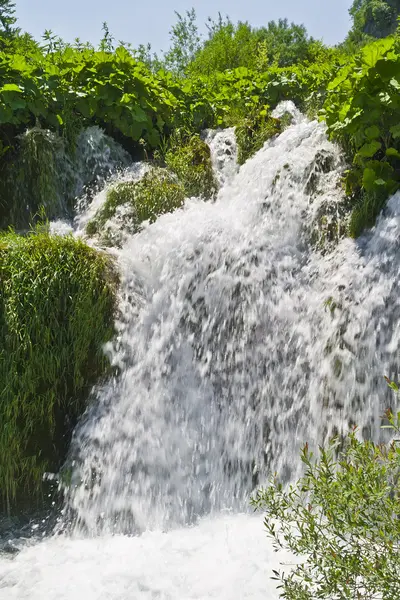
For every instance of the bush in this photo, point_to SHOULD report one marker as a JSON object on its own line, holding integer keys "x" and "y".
{"x": 253, "y": 132}
{"x": 342, "y": 519}
{"x": 191, "y": 162}
{"x": 362, "y": 112}
{"x": 158, "y": 192}
{"x": 56, "y": 312}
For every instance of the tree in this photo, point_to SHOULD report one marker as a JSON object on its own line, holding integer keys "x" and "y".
{"x": 230, "y": 46}
{"x": 373, "y": 18}
{"x": 342, "y": 518}
{"x": 286, "y": 43}
{"x": 185, "y": 42}
{"x": 7, "y": 18}
{"x": 11, "y": 39}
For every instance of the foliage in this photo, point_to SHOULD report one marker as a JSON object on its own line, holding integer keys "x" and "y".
{"x": 56, "y": 311}
{"x": 373, "y": 19}
{"x": 341, "y": 520}
{"x": 7, "y": 18}
{"x": 190, "y": 160}
{"x": 110, "y": 89}
{"x": 185, "y": 42}
{"x": 36, "y": 173}
{"x": 254, "y": 131}
{"x": 286, "y": 43}
{"x": 362, "y": 111}
{"x": 158, "y": 192}
{"x": 231, "y": 46}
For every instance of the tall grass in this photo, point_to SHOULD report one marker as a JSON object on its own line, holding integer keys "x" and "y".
{"x": 190, "y": 160}
{"x": 56, "y": 311}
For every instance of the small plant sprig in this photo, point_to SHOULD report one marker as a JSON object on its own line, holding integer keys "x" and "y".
{"x": 341, "y": 519}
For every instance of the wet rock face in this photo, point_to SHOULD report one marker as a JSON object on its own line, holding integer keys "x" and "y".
{"x": 324, "y": 162}
{"x": 332, "y": 214}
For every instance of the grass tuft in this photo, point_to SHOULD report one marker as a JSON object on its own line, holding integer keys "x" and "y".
{"x": 252, "y": 133}
{"x": 56, "y": 312}
{"x": 190, "y": 160}
{"x": 158, "y": 192}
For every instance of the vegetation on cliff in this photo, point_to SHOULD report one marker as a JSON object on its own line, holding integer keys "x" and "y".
{"x": 56, "y": 312}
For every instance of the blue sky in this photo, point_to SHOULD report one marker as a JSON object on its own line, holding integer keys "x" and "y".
{"x": 149, "y": 21}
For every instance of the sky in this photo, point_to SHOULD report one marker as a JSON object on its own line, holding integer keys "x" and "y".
{"x": 150, "y": 21}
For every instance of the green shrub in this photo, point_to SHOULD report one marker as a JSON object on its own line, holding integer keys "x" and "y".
{"x": 56, "y": 311}
{"x": 342, "y": 520}
{"x": 253, "y": 132}
{"x": 191, "y": 162}
{"x": 158, "y": 192}
{"x": 362, "y": 111}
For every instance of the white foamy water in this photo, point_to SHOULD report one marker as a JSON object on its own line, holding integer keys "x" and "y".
{"x": 237, "y": 341}
{"x": 227, "y": 558}
{"x": 223, "y": 147}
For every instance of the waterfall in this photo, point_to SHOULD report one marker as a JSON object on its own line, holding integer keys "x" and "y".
{"x": 238, "y": 339}
{"x": 237, "y": 342}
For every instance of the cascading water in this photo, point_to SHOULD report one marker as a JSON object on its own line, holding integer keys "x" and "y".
{"x": 237, "y": 342}
{"x": 222, "y": 143}
{"x": 97, "y": 158}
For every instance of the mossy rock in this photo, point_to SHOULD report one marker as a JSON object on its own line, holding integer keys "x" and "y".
{"x": 190, "y": 160}
{"x": 324, "y": 162}
{"x": 330, "y": 223}
{"x": 253, "y": 132}
{"x": 158, "y": 192}
{"x": 36, "y": 177}
{"x": 56, "y": 312}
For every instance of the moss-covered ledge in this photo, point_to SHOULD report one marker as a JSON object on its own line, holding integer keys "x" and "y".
{"x": 56, "y": 312}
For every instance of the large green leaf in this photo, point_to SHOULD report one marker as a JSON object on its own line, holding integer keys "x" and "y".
{"x": 387, "y": 69}
{"x": 372, "y": 132}
{"x": 375, "y": 51}
{"x": 368, "y": 180}
{"x": 395, "y": 131}
{"x": 392, "y": 152}
{"x": 10, "y": 87}
{"x": 370, "y": 149}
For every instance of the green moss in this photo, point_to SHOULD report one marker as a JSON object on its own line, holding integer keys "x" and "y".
{"x": 158, "y": 192}
{"x": 252, "y": 133}
{"x": 37, "y": 175}
{"x": 191, "y": 161}
{"x": 56, "y": 311}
